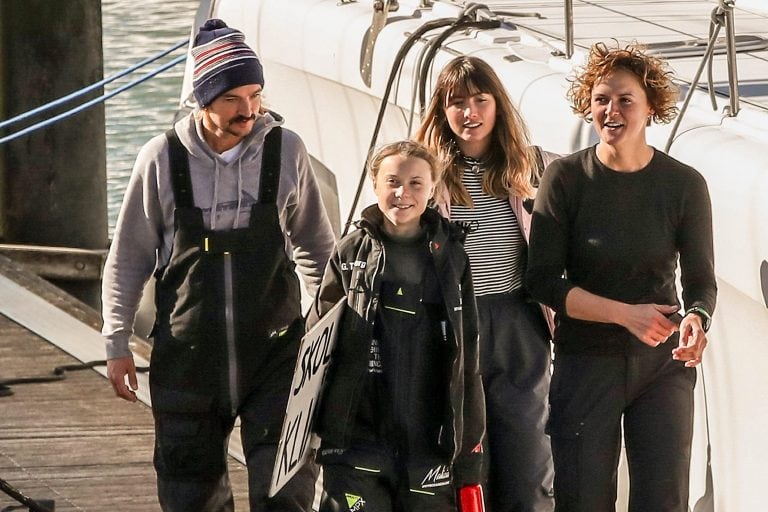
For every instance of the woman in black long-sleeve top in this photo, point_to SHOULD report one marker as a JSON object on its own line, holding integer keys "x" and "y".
{"x": 610, "y": 224}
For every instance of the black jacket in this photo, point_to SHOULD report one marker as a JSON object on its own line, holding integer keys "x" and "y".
{"x": 353, "y": 272}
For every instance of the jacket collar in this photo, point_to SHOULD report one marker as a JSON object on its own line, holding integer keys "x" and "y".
{"x": 438, "y": 229}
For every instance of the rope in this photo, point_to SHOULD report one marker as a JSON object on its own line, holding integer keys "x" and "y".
{"x": 437, "y": 43}
{"x": 91, "y": 103}
{"x": 32, "y": 505}
{"x": 402, "y": 52}
{"x": 707, "y": 502}
{"x": 59, "y": 373}
{"x": 463, "y": 21}
{"x": 91, "y": 87}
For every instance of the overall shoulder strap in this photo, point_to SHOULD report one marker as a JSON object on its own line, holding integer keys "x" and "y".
{"x": 180, "y": 178}
{"x": 270, "y": 166}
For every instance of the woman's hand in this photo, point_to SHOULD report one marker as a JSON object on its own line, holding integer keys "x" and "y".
{"x": 649, "y": 322}
{"x": 693, "y": 341}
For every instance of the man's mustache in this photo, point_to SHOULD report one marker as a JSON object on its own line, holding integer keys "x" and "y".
{"x": 243, "y": 119}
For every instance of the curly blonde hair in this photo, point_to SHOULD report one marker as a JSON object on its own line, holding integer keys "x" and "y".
{"x": 652, "y": 72}
{"x": 511, "y": 156}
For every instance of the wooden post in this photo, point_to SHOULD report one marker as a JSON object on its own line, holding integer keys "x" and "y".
{"x": 53, "y": 181}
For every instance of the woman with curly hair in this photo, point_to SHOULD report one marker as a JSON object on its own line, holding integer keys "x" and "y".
{"x": 490, "y": 171}
{"x": 610, "y": 224}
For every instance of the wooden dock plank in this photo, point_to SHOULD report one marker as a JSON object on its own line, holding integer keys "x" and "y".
{"x": 72, "y": 440}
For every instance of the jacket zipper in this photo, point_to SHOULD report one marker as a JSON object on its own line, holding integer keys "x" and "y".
{"x": 374, "y": 304}
{"x": 457, "y": 349}
{"x": 370, "y": 317}
{"x": 229, "y": 320}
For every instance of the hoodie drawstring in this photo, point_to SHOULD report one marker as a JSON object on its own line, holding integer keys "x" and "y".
{"x": 215, "y": 202}
{"x": 239, "y": 192}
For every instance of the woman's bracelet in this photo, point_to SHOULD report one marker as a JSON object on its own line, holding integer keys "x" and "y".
{"x": 706, "y": 318}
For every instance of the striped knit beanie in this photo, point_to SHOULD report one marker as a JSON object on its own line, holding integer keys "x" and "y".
{"x": 222, "y": 62}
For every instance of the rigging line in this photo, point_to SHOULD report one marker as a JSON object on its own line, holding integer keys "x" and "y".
{"x": 33, "y": 505}
{"x": 91, "y": 87}
{"x": 398, "y": 61}
{"x": 58, "y": 373}
{"x": 8, "y": 489}
{"x": 705, "y": 503}
{"x": 636, "y": 18}
{"x": 460, "y": 21}
{"x": 558, "y": 37}
{"x": 735, "y": 7}
{"x": 464, "y": 21}
{"x": 437, "y": 43}
{"x": 694, "y": 84}
{"x": 541, "y": 32}
{"x": 717, "y": 20}
{"x": 92, "y": 102}
{"x": 414, "y": 89}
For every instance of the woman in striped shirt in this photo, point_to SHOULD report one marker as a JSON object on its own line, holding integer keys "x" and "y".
{"x": 489, "y": 173}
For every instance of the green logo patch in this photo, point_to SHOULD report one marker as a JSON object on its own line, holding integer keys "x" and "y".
{"x": 354, "y": 503}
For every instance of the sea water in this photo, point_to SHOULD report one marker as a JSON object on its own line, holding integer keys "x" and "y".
{"x": 134, "y": 30}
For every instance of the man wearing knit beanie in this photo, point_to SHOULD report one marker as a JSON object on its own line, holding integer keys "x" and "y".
{"x": 222, "y": 62}
{"x": 220, "y": 210}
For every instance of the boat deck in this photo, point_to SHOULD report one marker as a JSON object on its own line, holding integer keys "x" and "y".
{"x": 677, "y": 30}
{"x": 72, "y": 440}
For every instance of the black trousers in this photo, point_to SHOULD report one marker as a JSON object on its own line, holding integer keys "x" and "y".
{"x": 590, "y": 396}
{"x": 515, "y": 359}
{"x": 191, "y": 440}
{"x": 377, "y": 482}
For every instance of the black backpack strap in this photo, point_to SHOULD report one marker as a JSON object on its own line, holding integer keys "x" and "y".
{"x": 180, "y": 178}
{"x": 270, "y": 166}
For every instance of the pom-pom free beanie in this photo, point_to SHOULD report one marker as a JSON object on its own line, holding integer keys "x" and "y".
{"x": 222, "y": 62}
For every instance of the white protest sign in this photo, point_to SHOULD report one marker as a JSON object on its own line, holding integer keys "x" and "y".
{"x": 314, "y": 356}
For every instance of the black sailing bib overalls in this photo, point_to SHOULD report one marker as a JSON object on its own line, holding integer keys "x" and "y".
{"x": 228, "y": 304}
{"x": 226, "y": 339}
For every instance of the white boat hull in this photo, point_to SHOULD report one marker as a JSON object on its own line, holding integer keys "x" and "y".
{"x": 311, "y": 51}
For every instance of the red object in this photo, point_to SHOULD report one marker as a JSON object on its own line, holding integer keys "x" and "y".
{"x": 471, "y": 499}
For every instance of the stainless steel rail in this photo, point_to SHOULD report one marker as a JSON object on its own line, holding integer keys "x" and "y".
{"x": 568, "y": 29}
{"x": 726, "y": 8}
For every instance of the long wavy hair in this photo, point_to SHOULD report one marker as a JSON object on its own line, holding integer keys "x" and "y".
{"x": 510, "y": 159}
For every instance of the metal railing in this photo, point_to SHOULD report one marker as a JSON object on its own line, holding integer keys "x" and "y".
{"x": 569, "y": 29}
{"x": 722, "y": 15}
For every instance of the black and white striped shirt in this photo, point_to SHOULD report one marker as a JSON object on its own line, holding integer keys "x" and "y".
{"x": 495, "y": 243}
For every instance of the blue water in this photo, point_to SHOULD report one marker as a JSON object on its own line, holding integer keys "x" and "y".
{"x": 132, "y": 31}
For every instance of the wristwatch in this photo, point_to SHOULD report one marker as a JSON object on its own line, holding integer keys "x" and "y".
{"x": 706, "y": 318}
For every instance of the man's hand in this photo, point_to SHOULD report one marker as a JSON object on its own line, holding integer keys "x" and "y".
{"x": 117, "y": 370}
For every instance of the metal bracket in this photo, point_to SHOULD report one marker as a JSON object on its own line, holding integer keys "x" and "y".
{"x": 64, "y": 263}
{"x": 726, "y": 6}
{"x": 381, "y": 9}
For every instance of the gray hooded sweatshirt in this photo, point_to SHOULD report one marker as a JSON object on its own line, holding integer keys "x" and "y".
{"x": 143, "y": 237}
